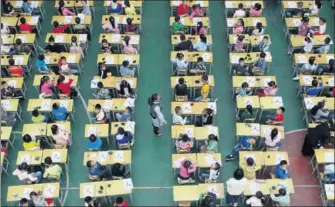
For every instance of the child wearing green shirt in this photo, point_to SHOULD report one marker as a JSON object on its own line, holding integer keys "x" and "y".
{"x": 177, "y": 26}
{"x": 249, "y": 113}
{"x": 211, "y": 145}
{"x": 39, "y": 118}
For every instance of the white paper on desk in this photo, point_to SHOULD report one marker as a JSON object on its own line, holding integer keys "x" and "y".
{"x": 119, "y": 156}
{"x": 189, "y": 132}
{"x": 248, "y": 101}
{"x": 307, "y": 80}
{"x": 201, "y": 3}
{"x": 254, "y": 187}
{"x": 213, "y": 189}
{"x": 56, "y": 156}
{"x": 292, "y": 4}
{"x": 255, "y": 128}
{"x": 107, "y": 104}
{"x": 131, "y": 82}
{"x": 308, "y": 103}
{"x": 82, "y": 37}
{"x": 206, "y": 56}
{"x": 296, "y": 22}
{"x": 59, "y": 38}
{"x": 71, "y": 59}
{"x": 267, "y": 131}
{"x": 34, "y": 4}
{"x": 130, "y": 102}
{"x": 279, "y": 158}
{"x": 110, "y": 59}
{"x": 94, "y": 83}
{"x": 68, "y": 19}
{"x": 329, "y": 57}
{"x": 179, "y": 161}
{"x": 235, "y": 59}
{"x": 117, "y": 19}
{"x": 250, "y": 155}
{"x": 329, "y": 189}
{"x": 26, "y": 159}
{"x": 61, "y": 126}
{"x": 176, "y": 3}
{"x": 26, "y": 193}
{"x": 329, "y": 157}
{"x": 82, "y": 18}
{"x": 182, "y": 20}
{"x": 302, "y": 59}
{"x": 212, "y": 130}
{"x": 210, "y": 159}
{"x": 247, "y": 4}
{"x": 47, "y": 59}
{"x": 92, "y": 130}
{"x": 212, "y": 105}
{"x": 18, "y": 60}
{"x": 316, "y": 21}
{"x": 255, "y": 21}
{"x": 268, "y": 57}
{"x": 5, "y": 104}
{"x": 49, "y": 191}
{"x": 331, "y": 81}
{"x": 116, "y": 37}
{"x": 103, "y": 156}
{"x": 4, "y": 39}
{"x": 130, "y": 126}
{"x": 135, "y": 40}
{"x": 12, "y": 83}
{"x": 46, "y": 105}
{"x": 186, "y": 108}
{"x": 278, "y": 101}
{"x": 34, "y": 20}
{"x": 89, "y": 190}
{"x": 196, "y": 20}
{"x": 250, "y": 81}
{"x": 64, "y": 104}
{"x": 229, "y": 4}
{"x": 19, "y": 3}
{"x": 129, "y": 58}
{"x": 128, "y": 184}
{"x": 230, "y": 22}
{"x": 266, "y": 81}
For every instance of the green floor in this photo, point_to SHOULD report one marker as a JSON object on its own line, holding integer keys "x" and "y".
{"x": 151, "y": 160}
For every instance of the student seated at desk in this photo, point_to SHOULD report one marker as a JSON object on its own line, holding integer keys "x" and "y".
{"x": 269, "y": 90}
{"x": 103, "y": 71}
{"x": 256, "y": 10}
{"x": 100, "y": 115}
{"x": 59, "y": 112}
{"x": 297, "y": 12}
{"x": 86, "y": 8}
{"x": 80, "y": 28}
{"x": 315, "y": 7}
{"x": 39, "y": 200}
{"x": 24, "y": 174}
{"x": 92, "y": 202}
{"x": 200, "y": 67}
{"x": 106, "y": 47}
{"x": 212, "y": 174}
{"x": 259, "y": 29}
{"x": 102, "y": 93}
{"x": 115, "y": 7}
{"x": 321, "y": 115}
{"x": 244, "y": 90}
{"x": 245, "y": 143}
{"x": 94, "y": 143}
{"x": 59, "y": 28}
{"x": 325, "y": 47}
{"x": 184, "y": 144}
{"x": 203, "y": 44}
{"x": 258, "y": 68}
{"x": 124, "y": 90}
{"x": 127, "y": 46}
{"x": 241, "y": 69}
{"x": 250, "y": 168}
{"x": 204, "y": 90}
{"x": 123, "y": 137}
{"x": 277, "y": 118}
{"x": 177, "y": 118}
{"x": 76, "y": 47}
{"x": 322, "y": 27}
{"x": 62, "y": 10}
{"x": 235, "y": 188}
{"x": 238, "y": 27}
{"x": 5, "y": 29}
{"x": 14, "y": 70}
{"x": 264, "y": 44}
{"x": 30, "y": 143}
{"x": 26, "y": 8}
{"x": 64, "y": 66}
{"x": 60, "y": 137}
{"x": 52, "y": 171}
{"x": 329, "y": 69}
{"x": 38, "y": 117}
{"x": 126, "y": 115}
{"x": 304, "y": 27}
{"x": 197, "y": 11}
{"x": 184, "y": 44}
{"x": 7, "y": 8}
{"x": 130, "y": 27}
{"x": 128, "y": 8}
{"x": 180, "y": 62}
{"x": 272, "y": 140}
{"x": 238, "y": 47}
{"x": 308, "y": 44}
{"x": 177, "y": 26}
{"x": 119, "y": 171}
{"x": 95, "y": 169}
{"x": 310, "y": 66}
{"x": 240, "y": 12}
{"x": 125, "y": 70}
{"x": 41, "y": 64}
{"x": 46, "y": 86}
{"x": 111, "y": 26}
{"x": 25, "y": 203}
{"x": 248, "y": 115}
{"x": 211, "y": 145}
{"x": 315, "y": 89}
{"x": 183, "y": 9}
{"x": 25, "y": 27}
{"x": 65, "y": 87}
{"x": 200, "y": 29}
{"x": 53, "y": 47}
{"x": 120, "y": 202}
{"x": 19, "y": 48}
{"x": 257, "y": 200}
{"x": 186, "y": 172}
{"x": 283, "y": 198}
{"x": 281, "y": 171}
{"x": 206, "y": 117}
{"x": 208, "y": 199}
{"x": 8, "y": 92}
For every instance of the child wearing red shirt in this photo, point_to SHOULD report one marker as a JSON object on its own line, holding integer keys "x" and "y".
{"x": 65, "y": 87}
{"x": 279, "y": 116}
{"x": 183, "y": 9}
{"x": 25, "y": 27}
{"x": 120, "y": 202}
{"x": 14, "y": 70}
{"x": 59, "y": 29}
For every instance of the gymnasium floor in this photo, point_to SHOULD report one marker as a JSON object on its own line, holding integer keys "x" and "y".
{"x": 151, "y": 162}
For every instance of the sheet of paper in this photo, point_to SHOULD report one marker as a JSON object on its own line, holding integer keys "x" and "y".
{"x": 206, "y": 56}
{"x": 49, "y": 191}
{"x": 110, "y": 59}
{"x": 129, "y": 58}
{"x": 296, "y": 22}
{"x": 47, "y": 59}
{"x": 230, "y": 22}
{"x": 329, "y": 189}
{"x": 279, "y": 157}
{"x": 229, "y": 4}
{"x": 124, "y": 20}
{"x": 117, "y": 19}
{"x": 18, "y": 60}
{"x": 91, "y": 130}
{"x": 179, "y": 161}
{"x": 68, "y": 19}
{"x": 130, "y": 126}
{"x": 89, "y": 190}
{"x": 107, "y": 104}
{"x": 34, "y": 20}
{"x": 266, "y": 81}
{"x": 316, "y": 21}
{"x": 34, "y": 4}
{"x": 26, "y": 192}
{"x": 248, "y": 101}
{"x": 130, "y": 102}
{"x": 189, "y": 132}
{"x": 256, "y": 21}
{"x": 213, "y": 189}
{"x": 278, "y": 101}
{"x": 116, "y": 37}
{"x": 18, "y": 3}
{"x": 254, "y": 187}
{"x": 182, "y": 20}
{"x": 210, "y": 159}
{"x": 103, "y": 156}
{"x": 131, "y": 82}
{"x": 255, "y": 128}
{"x": 302, "y": 59}
{"x": 196, "y": 20}
{"x": 46, "y": 105}
{"x": 128, "y": 184}
{"x": 212, "y": 130}
{"x": 71, "y": 59}
{"x": 26, "y": 159}
{"x": 292, "y": 4}
{"x": 307, "y": 80}
{"x": 331, "y": 82}
{"x": 308, "y": 103}
{"x": 64, "y": 104}
{"x": 251, "y": 81}
{"x": 119, "y": 156}
{"x": 82, "y": 37}
{"x": 135, "y": 40}
{"x": 94, "y": 83}
{"x": 235, "y": 59}
{"x": 56, "y": 156}
{"x": 12, "y": 83}
{"x": 59, "y": 38}
{"x": 5, "y": 104}
{"x": 212, "y": 105}
{"x": 176, "y": 3}
{"x": 186, "y": 108}
{"x": 267, "y": 130}
{"x": 329, "y": 157}
{"x": 82, "y": 18}
{"x": 268, "y": 57}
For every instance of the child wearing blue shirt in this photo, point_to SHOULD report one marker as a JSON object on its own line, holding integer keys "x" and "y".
{"x": 260, "y": 64}
{"x": 315, "y": 89}
{"x": 125, "y": 116}
{"x": 59, "y": 113}
{"x": 281, "y": 171}
{"x": 94, "y": 143}
{"x": 243, "y": 91}
{"x": 123, "y": 137}
{"x": 41, "y": 65}
{"x": 245, "y": 143}
{"x": 27, "y": 9}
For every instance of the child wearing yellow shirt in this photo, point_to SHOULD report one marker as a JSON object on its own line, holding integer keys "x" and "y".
{"x": 30, "y": 143}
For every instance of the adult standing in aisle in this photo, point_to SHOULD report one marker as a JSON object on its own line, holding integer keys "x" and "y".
{"x": 157, "y": 117}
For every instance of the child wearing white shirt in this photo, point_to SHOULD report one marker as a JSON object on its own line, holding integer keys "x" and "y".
{"x": 177, "y": 118}
{"x": 235, "y": 187}
{"x": 256, "y": 200}
{"x": 240, "y": 12}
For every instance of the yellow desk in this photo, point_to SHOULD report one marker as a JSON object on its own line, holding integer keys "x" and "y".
{"x": 22, "y": 60}
{"x": 5, "y": 133}
{"x": 246, "y": 4}
{"x": 66, "y": 126}
{"x": 135, "y": 3}
{"x": 53, "y": 58}
{"x": 10, "y": 105}
{"x": 294, "y": 4}
{"x": 64, "y": 38}
{"x": 32, "y": 20}
{"x": 100, "y": 130}
{"x": 266, "y": 129}
{"x": 265, "y": 185}
{"x": 194, "y": 108}
{"x": 128, "y": 126}
{"x": 106, "y": 188}
{"x": 248, "y": 21}
{"x": 178, "y": 158}
{"x": 15, "y": 82}
{"x": 118, "y": 38}
{"x": 122, "y": 19}
{"x": 57, "y": 155}
{"x": 256, "y": 155}
{"x": 106, "y": 158}
{"x": 46, "y": 104}
{"x": 79, "y": 4}
{"x": 310, "y": 102}
{"x": 275, "y": 182}
{"x": 270, "y": 102}
{"x": 216, "y": 188}
{"x": 53, "y": 78}
{"x": 328, "y": 80}
{"x": 50, "y": 190}
{"x": 30, "y": 157}
{"x": 93, "y": 189}
{"x": 295, "y": 22}
{"x": 233, "y": 39}
{"x": 248, "y": 57}
{"x": 175, "y": 39}
{"x": 242, "y": 102}
{"x": 246, "y": 129}
{"x": 324, "y": 156}
{"x": 39, "y": 129}
{"x": 274, "y": 158}
{"x": 62, "y": 20}
{"x": 203, "y": 3}
{"x": 199, "y": 133}
{"x": 113, "y": 81}
{"x": 329, "y": 189}
{"x": 116, "y": 104}
{"x": 187, "y": 22}
{"x": 7, "y": 39}
{"x": 298, "y": 40}
{"x": 10, "y": 21}
{"x": 254, "y": 82}
{"x": 192, "y": 81}
{"x": 186, "y": 193}
{"x": 193, "y": 56}
{"x": 205, "y": 160}
{"x": 320, "y": 59}
{"x": 33, "y": 4}
{"x": 114, "y": 59}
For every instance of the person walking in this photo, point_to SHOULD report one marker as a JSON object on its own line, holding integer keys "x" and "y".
{"x": 157, "y": 117}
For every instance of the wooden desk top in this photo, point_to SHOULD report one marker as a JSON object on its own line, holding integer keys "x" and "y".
{"x": 193, "y": 107}
{"x": 175, "y": 39}
{"x": 274, "y": 158}
{"x": 128, "y": 126}
{"x": 178, "y": 158}
{"x": 293, "y": 4}
{"x": 57, "y": 155}
{"x": 246, "y": 4}
{"x": 53, "y": 78}
{"x": 295, "y": 22}
{"x": 100, "y": 130}
{"x": 135, "y": 3}
{"x": 200, "y": 133}
{"x": 324, "y": 156}
{"x": 246, "y": 129}
{"x": 253, "y": 81}
{"x": 186, "y": 193}
{"x": 15, "y": 82}
{"x": 248, "y": 21}
{"x": 266, "y": 129}
{"x": 271, "y": 102}
{"x": 323, "y": 59}
{"x": 186, "y": 21}
{"x": 116, "y": 104}
{"x": 193, "y": 56}
{"x": 205, "y": 160}
{"x": 192, "y": 81}
{"x": 30, "y": 157}
{"x": 53, "y": 58}
{"x": 298, "y": 40}
{"x": 242, "y": 102}
{"x": 310, "y": 102}
{"x": 122, "y": 19}
{"x": 248, "y": 57}
{"x": 5, "y": 132}
{"x": 62, "y": 20}
{"x": 10, "y": 105}
{"x": 46, "y": 104}
{"x": 64, "y": 38}
{"x": 50, "y": 190}
{"x": 115, "y": 59}
{"x": 105, "y": 158}
{"x": 113, "y": 82}
{"x": 19, "y": 60}
{"x": 38, "y": 129}
{"x": 66, "y": 126}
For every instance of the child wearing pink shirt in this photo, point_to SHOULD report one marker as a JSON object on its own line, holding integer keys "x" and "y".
{"x": 111, "y": 26}
{"x": 256, "y": 10}
{"x": 64, "y": 11}
{"x": 269, "y": 90}
{"x": 196, "y": 11}
{"x": 239, "y": 44}
{"x": 200, "y": 29}
{"x": 127, "y": 47}
{"x": 46, "y": 86}
{"x": 238, "y": 27}
{"x": 186, "y": 172}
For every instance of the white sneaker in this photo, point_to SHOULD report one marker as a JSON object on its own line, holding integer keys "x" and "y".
{"x": 296, "y": 78}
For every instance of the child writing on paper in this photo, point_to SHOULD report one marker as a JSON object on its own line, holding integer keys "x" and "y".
{"x": 9, "y": 92}
{"x": 52, "y": 171}
{"x": 248, "y": 114}
{"x": 177, "y": 26}
{"x": 46, "y": 87}
{"x": 197, "y": 11}
{"x": 212, "y": 175}
{"x": 94, "y": 143}
{"x": 238, "y": 27}
{"x": 184, "y": 144}
{"x": 127, "y": 46}
{"x": 180, "y": 62}
{"x": 30, "y": 143}
{"x": 22, "y": 172}
{"x": 59, "y": 28}
{"x": 244, "y": 90}
{"x": 177, "y": 118}
{"x": 65, "y": 67}
{"x": 269, "y": 90}
{"x": 111, "y": 26}
{"x": 204, "y": 90}
{"x": 106, "y": 47}
{"x": 241, "y": 69}
{"x": 119, "y": 171}
{"x": 316, "y": 88}
{"x": 64, "y": 87}
{"x": 124, "y": 90}
{"x": 183, "y": 9}
{"x": 186, "y": 172}
{"x": 206, "y": 117}
{"x": 203, "y": 44}
{"x": 259, "y": 30}
{"x": 115, "y": 7}
{"x": 59, "y": 112}
{"x": 258, "y": 68}
{"x": 41, "y": 64}
{"x": 250, "y": 168}
{"x": 211, "y": 145}
{"x": 200, "y": 67}
{"x": 38, "y": 117}
{"x": 281, "y": 171}
{"x": 181, "y": 88}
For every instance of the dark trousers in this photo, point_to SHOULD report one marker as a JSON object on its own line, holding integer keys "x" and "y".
{"x": 156, "y": 130}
